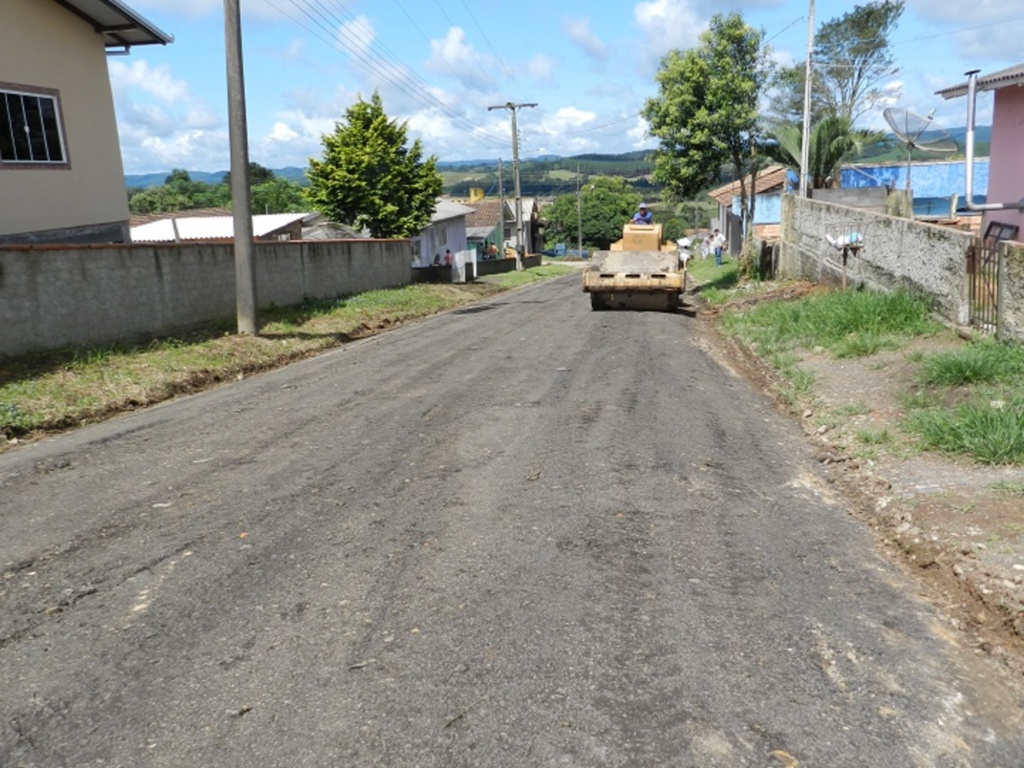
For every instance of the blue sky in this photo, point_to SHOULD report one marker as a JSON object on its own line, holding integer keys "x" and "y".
{"x": 438, "y": 64}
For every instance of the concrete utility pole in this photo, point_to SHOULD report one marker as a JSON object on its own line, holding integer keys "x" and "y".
{"x": 501, "y": 196}
{"x": 513, "y": 109}
{"x": 805, "y": 140}
{"x": 245, "y": 272}
{"x": 579, "y": 216}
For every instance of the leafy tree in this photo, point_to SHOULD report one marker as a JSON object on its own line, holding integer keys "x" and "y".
{"x": 852, "y": 57}
{"x": 162, "y": 199}
{"x": 833, "y": 142}
{"x": 706, "y": 111}
{"x": 606, "y": 203}
{"x": 369, "y": 178}
{"x": 278, "y": 195}
{"x": 257, "y": 175}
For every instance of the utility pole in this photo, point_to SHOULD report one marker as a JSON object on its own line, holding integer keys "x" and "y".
{"x": 579, "y": 215}
{"x": 805, "y": 139}
{"x": 513, "y": 109}
{"x": 245, "y": 272}
{"x": 501, "y": 197}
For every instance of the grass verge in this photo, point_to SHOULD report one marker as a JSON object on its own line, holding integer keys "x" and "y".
{"x": 971, "y": 401}
{"x": 67, "y": 387}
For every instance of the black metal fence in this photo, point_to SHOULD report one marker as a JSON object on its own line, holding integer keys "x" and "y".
{"x": 983, "y": 284}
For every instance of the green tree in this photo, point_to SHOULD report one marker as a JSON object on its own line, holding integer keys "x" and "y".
{"x": 606, "y": 203}
{"x": 369, "y": 178}
{"x": 257, "y": 175}
{"x": 852, "y": 58}
{"x": 834, "y": 141}
{"x": 278, "y": 195}
{"x": 162, "y": 199}
{"x": 706, "y": 112}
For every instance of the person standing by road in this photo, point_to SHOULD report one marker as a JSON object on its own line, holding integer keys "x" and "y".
{"x": 642, "y": 216}
{"x": 718, "y": 244}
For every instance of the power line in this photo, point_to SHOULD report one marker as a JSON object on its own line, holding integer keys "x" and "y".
{"x": 394, "y": 72}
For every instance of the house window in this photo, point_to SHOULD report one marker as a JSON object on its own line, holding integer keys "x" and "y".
{"x": 30, "y": 128}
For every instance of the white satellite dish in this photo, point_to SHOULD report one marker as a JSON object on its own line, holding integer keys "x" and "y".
{"x": 918, "y": 132}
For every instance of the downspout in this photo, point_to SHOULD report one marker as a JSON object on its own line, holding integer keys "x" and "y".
{"x": 972, "y": 92}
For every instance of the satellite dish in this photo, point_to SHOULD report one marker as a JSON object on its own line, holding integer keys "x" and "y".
{"x": 918, "y": 132}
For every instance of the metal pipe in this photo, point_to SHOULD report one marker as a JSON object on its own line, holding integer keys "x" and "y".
{"x": 972, "y": 95}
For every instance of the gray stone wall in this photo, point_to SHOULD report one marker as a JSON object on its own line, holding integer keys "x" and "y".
{"x": 51, "y": 296}
{"x": 1011, "y": 291}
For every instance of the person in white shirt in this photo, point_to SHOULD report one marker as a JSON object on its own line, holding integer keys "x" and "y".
{"x": 718, "y": 244}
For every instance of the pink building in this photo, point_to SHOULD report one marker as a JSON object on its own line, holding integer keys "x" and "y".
{"x": 1006, "y": 164}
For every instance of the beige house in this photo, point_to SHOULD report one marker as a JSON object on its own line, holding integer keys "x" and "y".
{"x": 61, "y": 177}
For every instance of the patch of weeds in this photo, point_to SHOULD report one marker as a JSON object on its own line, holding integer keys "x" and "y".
{"x": 13, "y": 421}
{"x": 1009, "y": 487}
{"x": 866, "y": 453}
{"x": 846, "y": 323}
{"x": 985, "y": 362}
{"x": 990, "y": 431}
{"x": 874, "y": 437}
{"x": 854, "y": 409}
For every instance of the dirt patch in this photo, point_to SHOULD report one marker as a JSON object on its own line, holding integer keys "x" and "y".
{"x": 955, "y": 524}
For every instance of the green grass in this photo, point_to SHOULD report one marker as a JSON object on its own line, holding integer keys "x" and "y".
{"x": 528, "y": 276}
{"x": 970, "y": 401}
{"x": 846, "y": 323}
{"x": 992, "y": 432}
{"x": 981, "y": 362}
{"x": 875, "y": 437}
{"x": 1009, "y": 487}
{"x": 715, "y": 283}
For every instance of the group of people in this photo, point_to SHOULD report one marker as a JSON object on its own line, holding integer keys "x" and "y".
{"x": 714, "y": 242}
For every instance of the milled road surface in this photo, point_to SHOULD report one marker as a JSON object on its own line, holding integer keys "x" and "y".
{"x": 519, "y": 534}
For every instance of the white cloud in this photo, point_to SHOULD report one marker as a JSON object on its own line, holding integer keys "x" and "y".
{"x": 155, "y": 81}
{"x": 578, "y": 30}
{"x": 452, "y": 55}
{"x": 541, "y": 68}
{"x": 667, "y": 24}
{"x": 357, "y": 36}
{"x": 988, "y": 32}
{"x": 638, "y": 134}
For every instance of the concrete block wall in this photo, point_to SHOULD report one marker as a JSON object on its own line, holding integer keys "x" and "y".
{"x": 52, "y": 296}
{"x": 897, "y": 252}
{"x": 1011, "y": 291}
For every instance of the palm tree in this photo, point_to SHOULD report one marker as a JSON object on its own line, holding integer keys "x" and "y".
{"x": 834, "y": 140}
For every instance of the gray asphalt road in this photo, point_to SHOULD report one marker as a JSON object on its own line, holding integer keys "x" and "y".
{"x": 520, "y": 534}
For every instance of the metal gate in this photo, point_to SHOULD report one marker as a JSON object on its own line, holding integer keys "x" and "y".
{"x": 983, "y": 276}
{"x": 983, "y": 285}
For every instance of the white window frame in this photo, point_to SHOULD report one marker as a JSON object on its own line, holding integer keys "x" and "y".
{"x": 46, "y": 147}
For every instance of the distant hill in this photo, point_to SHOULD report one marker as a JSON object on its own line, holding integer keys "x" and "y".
{"x": 292, "y": 173}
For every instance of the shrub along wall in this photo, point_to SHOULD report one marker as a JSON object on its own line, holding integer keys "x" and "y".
{"x": 51, "y": 296}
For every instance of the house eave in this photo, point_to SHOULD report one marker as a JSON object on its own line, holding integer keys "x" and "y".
{"x": 1003, "y": 78}
{"x": 119, "y": 25}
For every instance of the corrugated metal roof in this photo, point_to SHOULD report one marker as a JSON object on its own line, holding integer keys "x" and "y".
{"x": 771, "y": 177}
{"x": 448, "y": 209}
{"x": 120, "y": 26}
{"x": 210, "y": 227}
{"x": 991, "y": 82}
{"x": 479, "y": 233}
